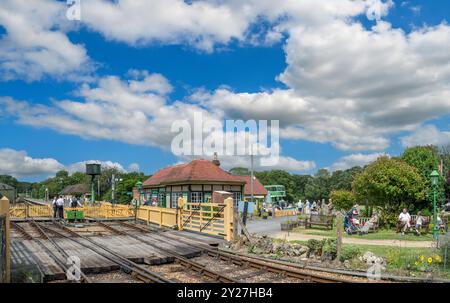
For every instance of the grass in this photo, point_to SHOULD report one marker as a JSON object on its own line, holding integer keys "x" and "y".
{"x": 399, "y": 260}
{"x": 382, "y": 234}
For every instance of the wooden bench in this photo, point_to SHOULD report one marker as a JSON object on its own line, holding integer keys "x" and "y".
{"x": 363, "y": 221}
{"x": 319, "y": 220}
{"x": 425, "y": 224}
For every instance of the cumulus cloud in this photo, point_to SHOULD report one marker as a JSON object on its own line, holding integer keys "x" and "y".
{"x": 355, "y": 160}
{"x": 35, "y": 43}
{"x": 19, "y": 164}
{"x": 426, "y": 135}
{"x": 347, "y": 84}
{"x": 284, "y": 163}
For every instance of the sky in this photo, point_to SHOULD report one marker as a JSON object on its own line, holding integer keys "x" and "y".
{"x": 347, "y": 80}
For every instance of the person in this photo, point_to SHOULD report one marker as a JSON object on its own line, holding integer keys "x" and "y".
{"x": 300, "y": 206}
{"x": 404, "y": 220}
{"x": 307, "y": 209}
{"x": 60, "y": 207}
{"x": 419, "y": 223}
{"x": 55, "y": 208}
{"x": 330, "y": 207}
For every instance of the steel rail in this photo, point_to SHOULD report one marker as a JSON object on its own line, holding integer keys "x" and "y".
{"x": 55, "y": 258}
{"x": 58, "y": 247}
{"x": 189, "y": 264}
{"x": 249, "y": 262}
{"x": 134, "y": 268}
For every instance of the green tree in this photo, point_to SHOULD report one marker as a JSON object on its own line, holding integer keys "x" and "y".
{"x": 391, "y": 184}
{"x": 318, "y": 188}
{"x": 425, "y": 159}
{"x": 9, "y": 180}
{"x": 343, "y": 199}
{"x": 240, "y": 171}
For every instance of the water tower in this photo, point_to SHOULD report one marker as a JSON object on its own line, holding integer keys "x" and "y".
{"x": 93, "y": 169}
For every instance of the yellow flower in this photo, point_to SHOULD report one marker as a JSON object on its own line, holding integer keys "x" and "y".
{"x": 437, "y": 259}
{"x": 422, "y": 258}
{"x": 417, "y": 263}
{"x": 430, "y": 259}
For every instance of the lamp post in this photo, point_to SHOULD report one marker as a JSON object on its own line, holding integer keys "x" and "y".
{"x": 434, "y": 182}
{"x": 139, "y": 186}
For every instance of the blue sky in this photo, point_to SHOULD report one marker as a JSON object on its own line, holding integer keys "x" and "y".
{"x": 239, "y": 66}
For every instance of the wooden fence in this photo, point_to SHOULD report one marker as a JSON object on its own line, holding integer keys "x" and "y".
{"x": 210, "y": 218}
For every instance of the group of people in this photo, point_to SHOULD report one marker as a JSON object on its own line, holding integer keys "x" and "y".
{"x": 405, "y": 222}
{"x": 314, "y": 207}
{"x": 59, "y": 203}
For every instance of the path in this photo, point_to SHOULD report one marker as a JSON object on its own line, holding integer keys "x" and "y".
{"x": 397, "y": 243}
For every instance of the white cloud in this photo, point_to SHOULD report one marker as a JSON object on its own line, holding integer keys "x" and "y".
{"x": 35, "y": 43}
{"x": 133, "y": 167}
{"x": 348, "y": 85}
{"x": 19, "y": 164}
{"x": 426, "y": 135}
{"x": 352, "y": 160}
{"x": 81, "y": 166}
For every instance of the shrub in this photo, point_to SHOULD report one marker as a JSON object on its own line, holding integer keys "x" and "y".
{"x": 315, "y": 246}
{"x": 349, "y": 252}
{"x": 329, "y": 249}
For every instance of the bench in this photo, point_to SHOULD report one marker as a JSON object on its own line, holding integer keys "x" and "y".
{"x": 363, "y": 221}
{"x": 425, "y": 224}
{"x": 319, "y": 220}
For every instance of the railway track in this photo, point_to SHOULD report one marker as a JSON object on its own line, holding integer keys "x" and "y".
{"x": 282, "y": 271}
{"x": 186, "y": 263}
{"x": 135, "y": 270}
{"x": 62, "y": 264}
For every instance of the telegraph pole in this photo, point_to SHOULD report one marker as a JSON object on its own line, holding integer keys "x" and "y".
{"x": 244, "y": 215}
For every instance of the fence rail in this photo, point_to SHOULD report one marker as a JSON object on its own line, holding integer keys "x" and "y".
{"x": 210, "y": 218}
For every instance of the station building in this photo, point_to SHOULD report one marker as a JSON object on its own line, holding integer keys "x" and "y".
{"x": 195, "y": 181}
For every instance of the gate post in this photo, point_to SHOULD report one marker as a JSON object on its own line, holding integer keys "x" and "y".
{"x": 228, "y": 219}
{"x": 180, "y": 208}
{"x": 4, "y": 211}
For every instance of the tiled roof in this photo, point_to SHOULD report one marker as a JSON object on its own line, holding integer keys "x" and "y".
{"x": 196, "y": 170}
{"x": 76, "y": 189}
{"x": 258, "y": 188}
{"x": 6, "y": 186}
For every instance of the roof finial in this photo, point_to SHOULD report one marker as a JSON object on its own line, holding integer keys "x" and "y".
{"x": 216, "y": 159}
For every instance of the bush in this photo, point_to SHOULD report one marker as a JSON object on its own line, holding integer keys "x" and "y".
{"x": 349, "y": 252}
{"x": 315, "y": 246}
{"x": 343, "y": 199}
{"x": 329, "y": 249}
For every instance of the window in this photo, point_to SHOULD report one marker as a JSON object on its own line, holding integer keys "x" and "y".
{"x": 174, "y": 199}
{"x": 237, "y": 196}
{"x": 161, "y": 197}
{"x": 196, "y": 197}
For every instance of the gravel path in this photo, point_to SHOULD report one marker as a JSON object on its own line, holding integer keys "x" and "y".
{"x": 397, "y": 243}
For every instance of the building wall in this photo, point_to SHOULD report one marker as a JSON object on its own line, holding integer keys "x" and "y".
{"x": 164, "y": 194}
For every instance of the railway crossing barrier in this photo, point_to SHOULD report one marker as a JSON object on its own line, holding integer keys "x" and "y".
{"x": 210, "y": 218}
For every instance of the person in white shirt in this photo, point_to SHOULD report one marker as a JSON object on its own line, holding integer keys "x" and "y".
{"x": 419, "y": 222}
{"x": 404, "y": 219}
{"x": 60, "y": 207}
{"x": 300, "y": 206}
{"x": 55, "y": 209}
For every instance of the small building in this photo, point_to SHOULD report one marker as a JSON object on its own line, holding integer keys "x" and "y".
{"x": 259, "y": 191}
{"x": 195, "y": 181}
{"x": 8, "y": 192}
{"x": 78, "y": 190}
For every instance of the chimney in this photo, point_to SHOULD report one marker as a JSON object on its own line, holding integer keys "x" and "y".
{"x": 216, "y": 160}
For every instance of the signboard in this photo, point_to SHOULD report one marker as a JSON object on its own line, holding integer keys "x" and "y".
{"x": 251, "y": 207}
